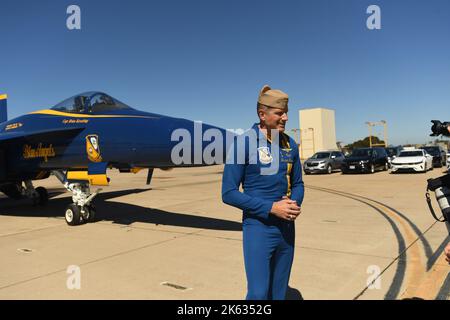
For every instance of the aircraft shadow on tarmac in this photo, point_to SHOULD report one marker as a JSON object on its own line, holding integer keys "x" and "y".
{"x": 117, "y": 212}
{"x": 124, "y": 213}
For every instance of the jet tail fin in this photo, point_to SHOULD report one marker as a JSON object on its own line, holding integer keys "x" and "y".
{"x": 3, "y": 108}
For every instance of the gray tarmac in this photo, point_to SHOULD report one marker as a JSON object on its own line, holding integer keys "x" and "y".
{"x": 365, "y": 236}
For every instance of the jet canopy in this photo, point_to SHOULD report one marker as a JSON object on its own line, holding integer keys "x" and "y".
{"x": 90, "y": 102}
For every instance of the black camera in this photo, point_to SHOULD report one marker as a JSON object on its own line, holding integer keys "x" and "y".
{"x": 439, "y": 128}
{"x": 441, "y": 188}
{"x": 441, "y": 185}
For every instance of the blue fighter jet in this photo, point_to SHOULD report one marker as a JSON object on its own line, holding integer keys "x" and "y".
{"x": 78, "y": 139}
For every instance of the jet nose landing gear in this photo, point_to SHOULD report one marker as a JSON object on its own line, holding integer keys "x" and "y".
{"x": 76, "y": 215}
{"x": 77, "y": 182}
{"x": 81, "y": 210}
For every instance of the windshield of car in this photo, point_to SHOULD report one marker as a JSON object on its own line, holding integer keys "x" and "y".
{"x": 362, "y": 153}
{"x": 391, "y": 151}
{"x": 321, "y": 155}
{"x": 411, "y": 154}
{"x": 432, "y": 150}
{"x": 90, "y": 102}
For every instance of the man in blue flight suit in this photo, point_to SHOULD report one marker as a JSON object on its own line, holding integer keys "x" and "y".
{"x": 271, "y": 176}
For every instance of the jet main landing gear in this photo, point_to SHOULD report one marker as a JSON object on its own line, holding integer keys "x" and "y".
{"x": 39, "y": 196}
{"x": 18, "y": 191}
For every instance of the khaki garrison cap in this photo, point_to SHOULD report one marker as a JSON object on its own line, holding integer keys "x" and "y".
{"x": 273, "y": 98}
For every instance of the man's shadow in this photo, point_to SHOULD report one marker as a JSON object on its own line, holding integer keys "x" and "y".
{"x": 293, "y": 294}
{"x": 117, "y": 212}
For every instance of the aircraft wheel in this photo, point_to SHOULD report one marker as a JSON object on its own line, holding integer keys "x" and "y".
{"x": 73, "y": 215}
{"x": 89, "y": 213}
{"x": 43, "y": 196}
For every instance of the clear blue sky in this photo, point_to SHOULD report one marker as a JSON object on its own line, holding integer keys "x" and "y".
{"x": 207, "y": 59}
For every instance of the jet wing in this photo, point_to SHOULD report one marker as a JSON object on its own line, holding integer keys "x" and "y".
{"x": 61, "y": 132}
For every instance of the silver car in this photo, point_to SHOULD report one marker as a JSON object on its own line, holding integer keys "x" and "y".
{"x": 324, "y": 161}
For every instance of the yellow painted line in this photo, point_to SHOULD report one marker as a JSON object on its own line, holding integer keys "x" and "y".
{"x": 3, "y": 96}
{"x": 416, "y": 269}
{"x": 79, "y": 115}
{"x": 431, "y": 283}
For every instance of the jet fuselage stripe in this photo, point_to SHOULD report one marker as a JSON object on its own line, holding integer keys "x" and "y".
{"x": 76, "y": 115}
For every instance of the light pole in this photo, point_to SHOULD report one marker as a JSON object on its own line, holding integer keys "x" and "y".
{"x": 373, "y": 124}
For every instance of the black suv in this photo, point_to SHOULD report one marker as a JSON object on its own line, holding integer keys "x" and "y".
{"x": 392, "y": 153}
{"x": 366, "y": 160}
{"x": 439, "y": 155}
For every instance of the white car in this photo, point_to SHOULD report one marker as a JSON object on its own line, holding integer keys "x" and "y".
{"x": 412, "y": 160}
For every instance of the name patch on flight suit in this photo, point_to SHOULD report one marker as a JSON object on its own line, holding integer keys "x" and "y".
{"x": 286, "y": 155}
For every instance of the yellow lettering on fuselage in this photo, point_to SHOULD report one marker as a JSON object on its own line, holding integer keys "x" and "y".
{"x": 40, "y": 152}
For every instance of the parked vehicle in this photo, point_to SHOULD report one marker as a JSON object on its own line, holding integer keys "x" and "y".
{"x": 325, "y": 161}
{"x": 448, "y": 162}
{"x": 366, "y": 160}
{"x": 413, "y": 160}
{"x": 439, "y": 155}
{"x": 392, "y": 153}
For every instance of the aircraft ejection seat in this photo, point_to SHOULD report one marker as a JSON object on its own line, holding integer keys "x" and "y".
{"x": 79, "y": 102}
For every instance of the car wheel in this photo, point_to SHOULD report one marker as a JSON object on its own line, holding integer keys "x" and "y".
{"x": 386, "y": 166}
{"x": 329, "y": 169}
{"x": 372, "y": 168}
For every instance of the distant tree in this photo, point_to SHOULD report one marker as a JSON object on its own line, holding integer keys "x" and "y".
{"x": 364, "y": 143}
